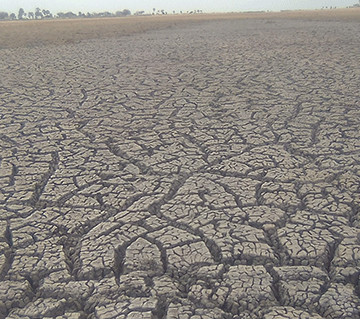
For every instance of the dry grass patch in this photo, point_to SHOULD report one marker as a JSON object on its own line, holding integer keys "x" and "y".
{"x": 34, "y": 33}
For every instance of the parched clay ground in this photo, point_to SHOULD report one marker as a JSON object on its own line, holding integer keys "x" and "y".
{"x": 201, "y": 172}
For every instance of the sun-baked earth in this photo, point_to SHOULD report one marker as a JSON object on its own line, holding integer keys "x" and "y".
{"x": 200, "y": 167}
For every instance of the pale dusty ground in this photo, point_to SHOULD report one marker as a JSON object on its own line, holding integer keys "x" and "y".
{"x": 43, "y": 32}
{"x": 208, "y": 170}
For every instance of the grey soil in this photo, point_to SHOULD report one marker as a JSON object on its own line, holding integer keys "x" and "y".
{"x": 209, "y": 171}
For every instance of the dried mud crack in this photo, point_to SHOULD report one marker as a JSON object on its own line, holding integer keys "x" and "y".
{"x": 209, "y": 171}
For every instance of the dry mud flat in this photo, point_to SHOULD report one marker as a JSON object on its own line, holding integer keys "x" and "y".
{"x": 208, "y": 171}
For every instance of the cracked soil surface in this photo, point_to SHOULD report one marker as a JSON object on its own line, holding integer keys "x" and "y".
{"x": 201, "y": 172}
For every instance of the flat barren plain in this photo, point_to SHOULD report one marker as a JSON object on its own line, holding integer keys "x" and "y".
{"x": 181, "y": 167}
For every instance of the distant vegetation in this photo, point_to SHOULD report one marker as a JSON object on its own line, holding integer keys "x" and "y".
{"x": 39, "y": 14}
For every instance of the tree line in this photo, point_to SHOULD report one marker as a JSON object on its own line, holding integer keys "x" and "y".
{"x": 39, "y": 14}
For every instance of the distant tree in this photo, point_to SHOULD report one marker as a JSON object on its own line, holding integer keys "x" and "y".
{"x": 180, "y": 12}
{"x": 105, "y": 14}
{"x": 174, "y": 12}
{"x": 31, "y": 15}
{"x": 38, "y": 14}
{"x": 70, "y": 15}
{"x": 3, "y": 15}
{"x": 126, "y": 12}
{"x": 89, "y": 15}
{"x": 13, "y": 16}
{"x": 47, "y": 14}
{"x": 21, "y": 13}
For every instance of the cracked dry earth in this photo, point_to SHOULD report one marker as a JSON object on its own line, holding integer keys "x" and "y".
{"x": 209, "y": 171}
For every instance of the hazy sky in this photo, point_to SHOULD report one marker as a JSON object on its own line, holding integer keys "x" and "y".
{"x": 168, "y": 5}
